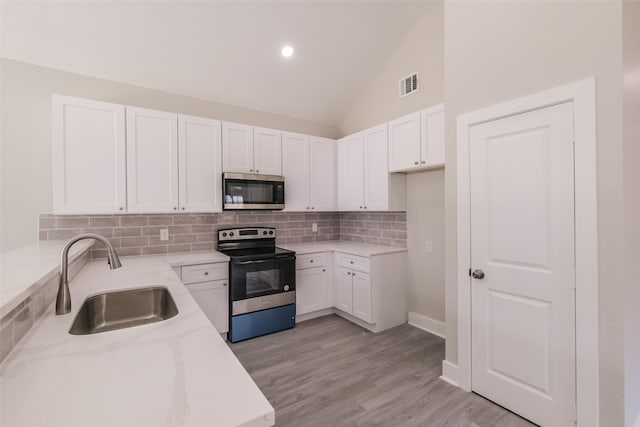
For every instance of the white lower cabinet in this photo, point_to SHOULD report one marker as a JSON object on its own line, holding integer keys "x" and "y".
{"x": 353, "y": 286}
{"x": 208, "y": 284}
{"x": 313, "y": 283}
{"x": 370, "y": 291}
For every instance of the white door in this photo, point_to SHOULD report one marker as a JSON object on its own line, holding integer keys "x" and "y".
{"x": 295, "y": 168}
{"x": 237, "y": 148}
{"x": 200, "y": 164}
{"x": 322, "y": 174}
{"x": 89, "y": 172}
{"x": 522, "y": 239}
{"x": 404, "y": 142}
{"x": 152, "y": 161}
{"x": 354, "y": 168}
{"x": 362, "y": 296}
{"x": 376, "y": 169}
{"x": 267, "y": 151}
{"x": 432, "y": 138}
{"x": 311, "y": 289}
{"x": 343, "y": 290}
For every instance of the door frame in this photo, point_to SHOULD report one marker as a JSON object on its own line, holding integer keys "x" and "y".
{"x": 583, "y": 96}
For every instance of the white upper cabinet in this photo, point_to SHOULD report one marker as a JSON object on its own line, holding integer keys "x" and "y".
{"x": 237, "y": 148}
{"x": 152, "y": 161}
{"x": 376, "y": 175}
{"x": 89, "y": 172}
{"x": 309, "y": 168}
{"x": 404, "y": 142}
{"x": 200, "y": 163}
{"x": 416, "y": 141}
{"x": 246, "y": 149}
{"x": 267, "y": 151}
{"x": 295, "y": 168}
{"x": 432, "y": 136}
{"x": 322, "y": 174}
{"x": 351, "y": 172}
{"x": 364, "y": 182}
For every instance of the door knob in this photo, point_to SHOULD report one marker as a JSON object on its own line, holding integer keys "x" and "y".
{"x": 477, "y": 274}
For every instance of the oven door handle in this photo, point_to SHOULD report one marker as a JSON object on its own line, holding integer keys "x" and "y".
{"x": 261, "y": 261}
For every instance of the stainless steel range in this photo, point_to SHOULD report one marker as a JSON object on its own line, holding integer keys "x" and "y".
{"x": 262, "y": 278}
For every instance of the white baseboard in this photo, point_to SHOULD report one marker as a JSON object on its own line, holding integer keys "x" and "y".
{"x": 450, "y": 373}
{"x": 313, "y": 315}
{"x": 428, "y": 324}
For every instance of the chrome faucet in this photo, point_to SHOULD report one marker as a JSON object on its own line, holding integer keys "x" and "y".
{"x": 63, "y": 300}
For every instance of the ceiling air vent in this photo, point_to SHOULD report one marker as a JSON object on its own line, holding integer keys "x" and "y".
{"x": 408, "y": 85}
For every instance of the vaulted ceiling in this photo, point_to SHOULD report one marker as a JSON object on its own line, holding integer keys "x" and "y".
{"x": 227, "y": 52}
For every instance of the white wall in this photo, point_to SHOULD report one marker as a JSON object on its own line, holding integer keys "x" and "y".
{"x": 496, "y": 51}
{"x": 631, "y": 59}
{"x": 25, "y": 149}
{"x": 422, "y": 51}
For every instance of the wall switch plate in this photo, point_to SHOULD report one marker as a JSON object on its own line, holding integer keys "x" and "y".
{"x": 164, "y": 234}
{"x": 429, "y": 246}
{"x": 314, "y": 227}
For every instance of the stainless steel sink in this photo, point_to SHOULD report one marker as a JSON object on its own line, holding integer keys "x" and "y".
{"x": 123, "y": 309}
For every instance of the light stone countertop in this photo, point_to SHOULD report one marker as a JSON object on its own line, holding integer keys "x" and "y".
{"x": 353, "y": 248}
{"x": 178, "y": 372}
{"x": 24, "y": 270}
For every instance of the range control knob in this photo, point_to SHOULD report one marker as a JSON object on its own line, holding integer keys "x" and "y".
{"x": 264, "y": 232}
{"x": 224, "y": 234}
{"x": 270, "y": 231}
{"x": 231, "y": 234}
{"x": 286, "y": 287}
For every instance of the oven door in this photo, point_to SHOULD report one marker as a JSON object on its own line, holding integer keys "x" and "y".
{"x": 248, "y": 191}
{"x": 260, "y": 278}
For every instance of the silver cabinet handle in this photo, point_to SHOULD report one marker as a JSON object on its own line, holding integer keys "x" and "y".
{"x": 257, "y": 171}
{"x": 415, "y": 163}
{"x": 307, "y": 207}
{"x": 250, "y": 170}
{"x": 206, "y": 273}
{"x": 323, "y": 270}
{"x": 422, "y": 162}
{"x": 348, "y": 273}
{"x": 351, "y": 262}
{"x": 183, "y": 208}
{"x": 365, "y": 207}
{"x": 353, "y": 274}
{"x": 224, "y": 284}
{"x": 121, "y": 208}
{"x": 477, "y": 274}
{"x": 311, "y": 261}
{"x": 175, "y": 208}
{"x": 313, "y": 207}
{"x": 360, "y": 207}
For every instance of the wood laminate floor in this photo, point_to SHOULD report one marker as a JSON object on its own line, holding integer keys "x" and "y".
{"x": 331, "y": 372}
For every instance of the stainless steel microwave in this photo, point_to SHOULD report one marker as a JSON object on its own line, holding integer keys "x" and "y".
{"x": 252, "y": 191}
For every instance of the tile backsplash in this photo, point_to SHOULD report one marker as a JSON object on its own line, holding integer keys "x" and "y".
{"x": 140, "y": 234}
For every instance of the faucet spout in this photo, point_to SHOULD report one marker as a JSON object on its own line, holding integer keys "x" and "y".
{"x": 63, "y": 299}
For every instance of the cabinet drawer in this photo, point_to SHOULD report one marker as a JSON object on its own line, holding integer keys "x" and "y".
{"x": 353, "y": 262}
{"x": 310, "y": 260}
{"x": 204, "y": 272}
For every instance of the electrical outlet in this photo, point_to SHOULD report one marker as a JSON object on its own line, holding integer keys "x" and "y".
{"x": 314, "y": 227}
{"x": 429, "y": 246}
{"x": 164, "y": 234}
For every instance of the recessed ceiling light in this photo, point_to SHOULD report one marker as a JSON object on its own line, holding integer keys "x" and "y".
{"x": 287, "y": 51}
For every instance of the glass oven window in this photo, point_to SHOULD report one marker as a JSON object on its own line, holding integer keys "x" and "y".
{"x": 262, "y": 282}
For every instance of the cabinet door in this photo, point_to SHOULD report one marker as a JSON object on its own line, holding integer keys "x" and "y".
{"x": 341, "y": 181}
{"x": 343, "y": 290}
{"x": 376, "y": 169}
{"x": 200, "y": 164}
{"x": 295, "y": 168}
{"x": 322, "y": 174}
{"x": 311, "y": 289}
{"x": 152, "y": 161}
{"x": 213, "y": 299}
{"x": 362, "y": 296}
{"x": 354, "y": 168}
{"x": 432, "y": 137}
{"x": 404, "y": 142}
{"x": 237, "y": 148}
{"x": 89, "y": 173}
{"x": 267, "y": 151}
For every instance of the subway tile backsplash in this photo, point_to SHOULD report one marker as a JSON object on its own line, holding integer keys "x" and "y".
{"x": 140, "y": 234}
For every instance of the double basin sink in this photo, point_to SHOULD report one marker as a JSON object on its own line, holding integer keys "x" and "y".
{"x": 123, "y": 309}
